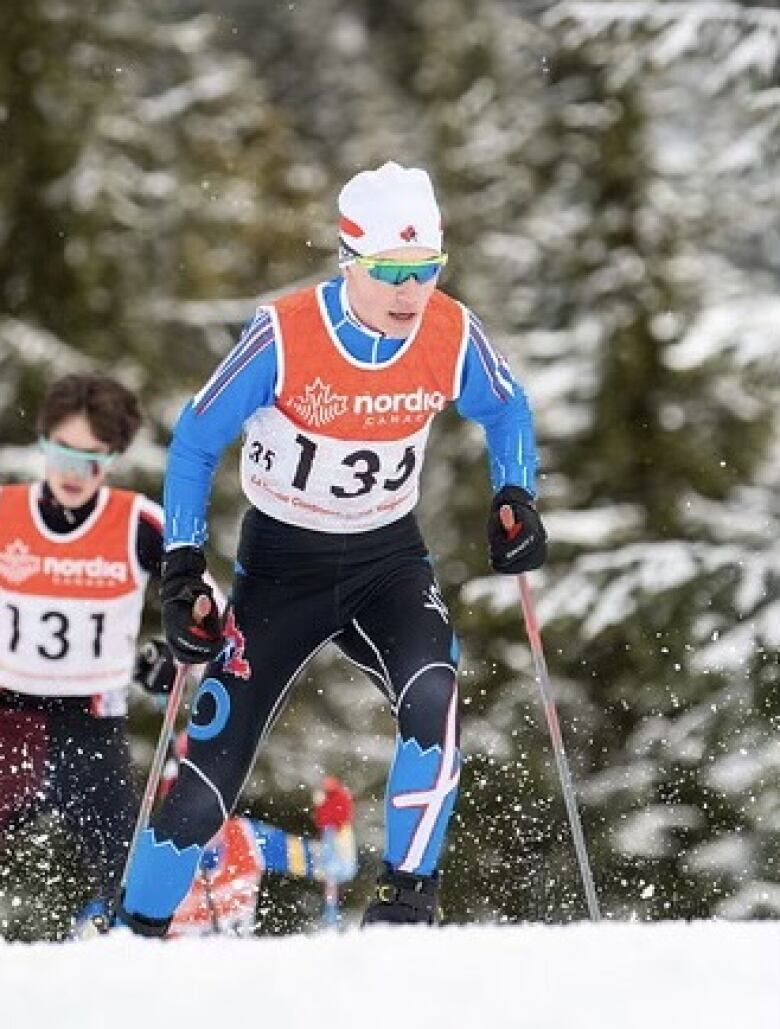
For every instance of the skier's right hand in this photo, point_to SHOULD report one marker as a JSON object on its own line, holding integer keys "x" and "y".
{"x": 517, "y": 538}
{"x": 191, "y": 621}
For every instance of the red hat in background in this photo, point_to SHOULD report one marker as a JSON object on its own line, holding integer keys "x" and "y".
{"x": 333, "y": 805}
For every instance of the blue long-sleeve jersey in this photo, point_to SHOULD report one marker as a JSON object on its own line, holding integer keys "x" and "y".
{"x": 246, "y": 381}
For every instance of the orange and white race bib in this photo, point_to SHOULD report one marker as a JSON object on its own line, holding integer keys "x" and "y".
{"x": 342, "y": 448}
{"x": 70, "y": 605}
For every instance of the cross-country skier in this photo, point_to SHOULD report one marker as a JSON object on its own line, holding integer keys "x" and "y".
{"x": 223, "y": 895}
{"x": 75, "y": 556}
{"x": 334, "y": 389}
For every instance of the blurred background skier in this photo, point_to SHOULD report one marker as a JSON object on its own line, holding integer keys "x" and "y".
{"x": 224, "y": 892}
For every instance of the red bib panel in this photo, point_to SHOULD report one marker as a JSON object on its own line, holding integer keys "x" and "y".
{"x": 343, "y": 447}
{"x": 71, "y": 604}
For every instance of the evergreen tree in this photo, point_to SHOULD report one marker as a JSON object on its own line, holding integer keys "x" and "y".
{"x": 674, "y": 618}
{"x": 146, "y": 168}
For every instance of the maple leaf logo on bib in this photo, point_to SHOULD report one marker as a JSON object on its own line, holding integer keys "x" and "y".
{"x": 17, "y": 563}
{"x": 318, "y": 405}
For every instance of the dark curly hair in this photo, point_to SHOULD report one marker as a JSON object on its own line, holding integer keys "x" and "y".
{"x": 112, "y": 411}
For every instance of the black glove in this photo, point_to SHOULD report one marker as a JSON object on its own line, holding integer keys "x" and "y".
{"x": 192, "y": 643}
{"x": 154, "y": 667}
{"x": 524, "y": 546}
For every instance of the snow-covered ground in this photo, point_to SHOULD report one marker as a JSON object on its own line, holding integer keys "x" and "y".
{"x": 714, "y": 975}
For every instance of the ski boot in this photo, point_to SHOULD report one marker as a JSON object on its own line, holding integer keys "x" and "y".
{"x": 97, "y": 918}
{"x": 155, "y": 928}
{"x": 401, "y": 898}
{"x": 92, "y": 921}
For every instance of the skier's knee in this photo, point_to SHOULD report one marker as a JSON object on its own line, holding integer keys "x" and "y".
{"x": 428, "y": 708}
{"x": 194, "y": 812}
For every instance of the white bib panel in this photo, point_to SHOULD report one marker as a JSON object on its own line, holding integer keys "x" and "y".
{"x": 68, "y": 646}
{"x": 326, "y": 484}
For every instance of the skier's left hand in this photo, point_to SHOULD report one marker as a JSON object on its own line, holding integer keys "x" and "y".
{"x": 517, "y": 538}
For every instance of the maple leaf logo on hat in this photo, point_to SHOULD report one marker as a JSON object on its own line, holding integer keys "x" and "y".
{"x": 409, "y": 234}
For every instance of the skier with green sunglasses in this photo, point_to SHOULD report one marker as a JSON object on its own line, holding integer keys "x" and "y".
{"x": 334, "y": 389}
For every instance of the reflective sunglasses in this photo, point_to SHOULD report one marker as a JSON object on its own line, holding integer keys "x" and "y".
{"x": 396, "y": 273}
{"x": 84, "y": 463}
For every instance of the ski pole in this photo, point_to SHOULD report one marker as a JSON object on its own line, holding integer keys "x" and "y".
{"x": 569, "y": 796}
{"x": 330, "y": 907}
{"x": 205, "y": 879}
{"x": 330, "y": 893}
{"x": 153, "y": 779}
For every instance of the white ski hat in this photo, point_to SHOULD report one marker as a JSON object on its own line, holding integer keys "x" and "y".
{"x": 389, "y": 208}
